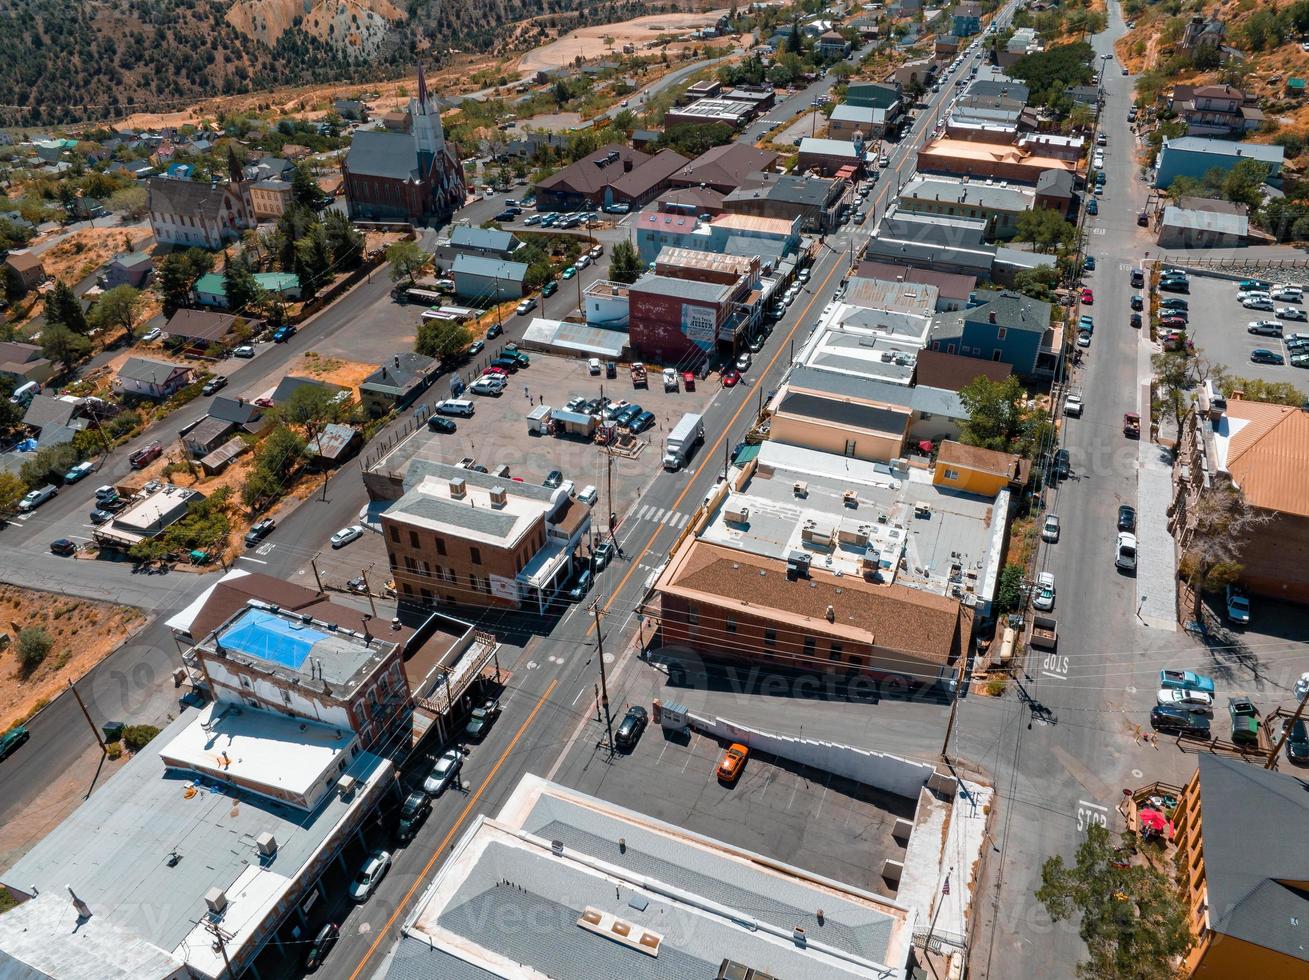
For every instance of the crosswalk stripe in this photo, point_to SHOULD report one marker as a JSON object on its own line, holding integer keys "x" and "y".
{"x": 658, "y": 516}
{"x": 679, "y": 520}
{"x": 643, "y": 513}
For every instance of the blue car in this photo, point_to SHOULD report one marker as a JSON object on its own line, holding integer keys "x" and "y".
{"x": 1185, "y": 680}
{"x": 1089, "y": 263}
{"x": 1092, "y": 206}
{"x": 1084, "y": 322}
{"x": 282, "y": 334}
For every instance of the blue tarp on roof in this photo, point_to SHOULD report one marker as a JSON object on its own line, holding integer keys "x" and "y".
{"x": 261, "y": 634}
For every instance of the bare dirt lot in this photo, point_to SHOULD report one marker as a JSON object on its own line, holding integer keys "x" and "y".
{"x": 83, "y": 633}
{"x": 590, "y": 42}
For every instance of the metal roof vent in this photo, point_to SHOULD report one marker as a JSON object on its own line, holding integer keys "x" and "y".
{"x": 557, "y": 848}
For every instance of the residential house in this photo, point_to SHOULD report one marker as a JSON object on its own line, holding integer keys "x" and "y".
{"x": 1226, "y": 225}
{"x": 146, "y": 517}
{"x": 972, "y": 469}
{"x": 455, "y": 536}
{"x": 723, "y": 168}
{"x": 832, "y": 44}
{"x": 1195, "y": 156}
{"x": 27, "y": 266}
{"x": 1054, "y": 190}
{"x": 613, "y": 174}
{"x": 203, "y": 329}
{"x": 491, "y": 243}
{"x": 1202, "y": 32}
{"x": 967, "y": 19}
{"x": 291, "y": 383}
{"x": 270, "y": 197}
{"x": 1240, "y": 836}
{"x": 270, "y": 168}
{"x": 621, "y": 918}
{"x": 351, "y": 109}
{"x": 210, "y": 289}
{"x": 1263, "y": 450}
{"x": 128, "y": 269}
{"x": 334, "y": 444}
{"x": 486, "y": 279}
{"x": 413, "y": 177}
{"x": 21, "y": 363}
{"x": 916, "y": 74}
{"x": 203, "y": 215}
{"x": 1216, "y": 110}
{"x": 831, "y": 157}
{"x": 153, "y": 379}
{"x": 54, "y": 420}
{"x": 227, "y": 417}
{"x": 1001, "y": 326}
{"x": 815, "y": 202}
{"x": 397, "y": 382}
{"x": 1022, "y": 42}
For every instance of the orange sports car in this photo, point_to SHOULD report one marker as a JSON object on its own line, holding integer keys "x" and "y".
{"x": 733, "y": 762}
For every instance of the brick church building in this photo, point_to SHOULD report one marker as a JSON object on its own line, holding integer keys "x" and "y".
{"x": 415, "y": 176}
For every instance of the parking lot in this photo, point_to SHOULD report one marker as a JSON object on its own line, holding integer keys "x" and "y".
{"x": 788, "y": 812}
{"x": 1219, "y": 326}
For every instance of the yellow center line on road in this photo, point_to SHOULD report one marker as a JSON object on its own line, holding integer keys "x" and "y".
{"x": 712, "y": 450}
{"x": 445, "y": 841}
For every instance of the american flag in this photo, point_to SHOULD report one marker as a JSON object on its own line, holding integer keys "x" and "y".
{"x": 945, "y": 889}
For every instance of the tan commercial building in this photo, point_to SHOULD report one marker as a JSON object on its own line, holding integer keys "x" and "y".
{"x": 270, "y": 197}
{"x": 463, "y": 538}
{"x": 968, "y": 158}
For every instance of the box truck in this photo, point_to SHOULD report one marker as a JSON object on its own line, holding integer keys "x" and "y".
{"x": 688, "y": 432}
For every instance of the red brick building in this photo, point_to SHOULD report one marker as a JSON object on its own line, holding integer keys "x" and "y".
{"x": 682, "y": 320}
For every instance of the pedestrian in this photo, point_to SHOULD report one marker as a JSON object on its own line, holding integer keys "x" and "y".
{"x": 527, "y": 394}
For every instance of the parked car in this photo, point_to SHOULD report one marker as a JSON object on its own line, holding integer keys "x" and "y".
{"x": 283, "y": 334}
{"x": 347, "y": 534}
{"x": 550, "y": 288}
{"x": 79, "y": 472}
{"x": 1238, "y": 606}
{"x": 1257, "y": 303}
{"x": 1297, "y": 741}
{"x": 581, "y": 585}
{"x": 1178, "y": 285}
{"x": 1125, "y": 551}
{"x": 1088, "y": 297}
{"x": 1086, "y": 323}
{"x": 1178, "y": 721}
{"x": 569, "y": 273}
{"x": 1063, "y": 466}
{"x": 145, "y": 455}
{"x": 1182, "y": 698}
{"x": 1135, "y": 320}
{"x": 63, "y": 547}
{"x": 413, "y": 811}
{"x": 1291, "y": 313}
{"x": 526, "y": 306}
{"x": 1244, "y": 717}
{"x": 481, "y": 720}
{"x": 602, "y": 554}
{"x": 370, "y": 875}
{"x": 11, "y": 740}
{"x": 743, "y": 362}
{"x": 1249, "y": 284}
{"x": 733, "y": 762}
{"x": 1174, "y": 303}
{"x": 1093, "y": 207}
{"x": 1043, "y": 594}
{"x": 443, "y": 772}
{"x": 1266, "y": 328}
{"x": 642, "y": 422}
{"x": 1073, "y": 405}
{"x": 488, "y": 384}
{"x": 588, "y": 495}
{"x": 553, "y": 479}
{"x": 1292, "y": 294}
{"x": 1126, "y": 518}
{"x": 321, "y": 945}
{"x": 259, "y": 530}
{"x": 99, "y": 516}
{"x": 1186, "y": 679}
{"x": 151, "y": 335}
{"x": 630, "y": 728}
{"x": 1050, "y": 529}
{"x": 1261, "y": 355}
{"x": 437, "y": 423}
{"x": 731, "y": 377}
{"x": 217, "y": 383}
{"x": 495, "y": 330}
{"x": 35, "y": 498}
{"x": 243, "y": 350}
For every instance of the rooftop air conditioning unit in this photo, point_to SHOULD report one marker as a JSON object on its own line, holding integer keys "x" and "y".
{"x": 737, "y": 514}
{"x": 267, "y": 844}
{"x": 499, "y": 496}
{"x": 458, "y": 489}
{"x": 346, "y": 785}
{"x": 216, "y": 899}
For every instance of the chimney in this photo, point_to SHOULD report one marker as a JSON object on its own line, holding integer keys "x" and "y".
{"x": 991, "y": 316}
{"x": 499, "y": 497}
{"x": 458, "y": 489}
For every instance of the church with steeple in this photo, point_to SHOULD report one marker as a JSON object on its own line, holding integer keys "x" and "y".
{"x": 200, "y": 214}
{"x": 414, "y": 176}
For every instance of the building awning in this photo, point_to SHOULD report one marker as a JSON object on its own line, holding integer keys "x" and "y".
{"x": 545, "y": 566}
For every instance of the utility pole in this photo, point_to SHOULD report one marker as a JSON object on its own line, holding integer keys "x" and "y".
{"x": 604, "y": 684}
{"x": 609, "y": 492}
{"x": 94, "y": 731}
{"x": 949, "y": 725}
{"x": 1286, "y": 732}
{"x": 313, "y": 563}
{"x": 220, "y": 938}
{"x": 368, "y": 590}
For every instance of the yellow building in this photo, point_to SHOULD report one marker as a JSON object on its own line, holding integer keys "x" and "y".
{"x": 1242, "y": 837}
{"x": 270, "y": 197}
{"x": 969, "y": 469}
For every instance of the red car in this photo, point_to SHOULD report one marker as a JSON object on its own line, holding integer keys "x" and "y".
{"x": 1173, "y": 323}
{"x": 502, "y": 372}
{"x": 1088, "y": 297}
{"x": 730, "y": 377}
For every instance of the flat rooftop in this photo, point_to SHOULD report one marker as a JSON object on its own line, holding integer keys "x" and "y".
{"x": 496, "y": 515}
{"x": 686, "y": 902}
{"x": 867, "y": 343}
{"x": 297, "y": 646}
{"x": 148, "y": 515}
{"x": 921, "y": 536}
{"x": 114, "y": 849}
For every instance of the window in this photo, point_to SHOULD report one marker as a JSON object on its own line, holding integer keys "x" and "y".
{"x": 949, "y": 348}
{"x": 245, "y": 682}
{"x": 440, "y": 545}
{"x": 770, "y": 637}
{"x": 997, "y": 354}
{"x": 1001, "y": 332}
{"x": 410, "y": 564}
{"x": 951, "y": 474}
{"x": 834, "y": 652}
{"x": 693, "y": 615}
{"x": 730, "y": 624}
{"x": 810, "y": 644}
{"x": 427, "y": 570}
{"x": 413, "y": 539}
{"x": 408, "y": 590}
{"x": 849, "y": 447}
{"x": 475, "y": 555}
{"x": 395, "y": 534}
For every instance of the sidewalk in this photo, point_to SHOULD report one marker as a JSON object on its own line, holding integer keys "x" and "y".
{"x": 1156, "y": 570}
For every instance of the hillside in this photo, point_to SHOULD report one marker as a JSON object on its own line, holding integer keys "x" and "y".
{"x": 64, "y": 62}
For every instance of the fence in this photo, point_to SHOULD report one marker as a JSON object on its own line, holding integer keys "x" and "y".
{"x": 1244, "y": 265}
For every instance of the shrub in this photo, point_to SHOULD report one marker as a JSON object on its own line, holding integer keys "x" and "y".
{"x": 114, "y": 750}
{"x": 137, "y": 737}
{"x": 34, "y": 646}
{"x": 996, "y": 686}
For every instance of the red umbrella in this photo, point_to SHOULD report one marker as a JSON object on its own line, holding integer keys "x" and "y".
{"x": 925, "y": 446}
{"x": 1152, "y": 820}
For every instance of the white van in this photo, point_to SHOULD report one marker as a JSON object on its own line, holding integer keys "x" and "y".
{"x": 588, "y": 495}
{"x": 456, "y": 406}
{"x": 24, "y": 393}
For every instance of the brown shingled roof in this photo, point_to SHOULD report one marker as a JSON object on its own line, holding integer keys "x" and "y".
{"x": 1269, "y": 456}
{"x": 889, "y": 617}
